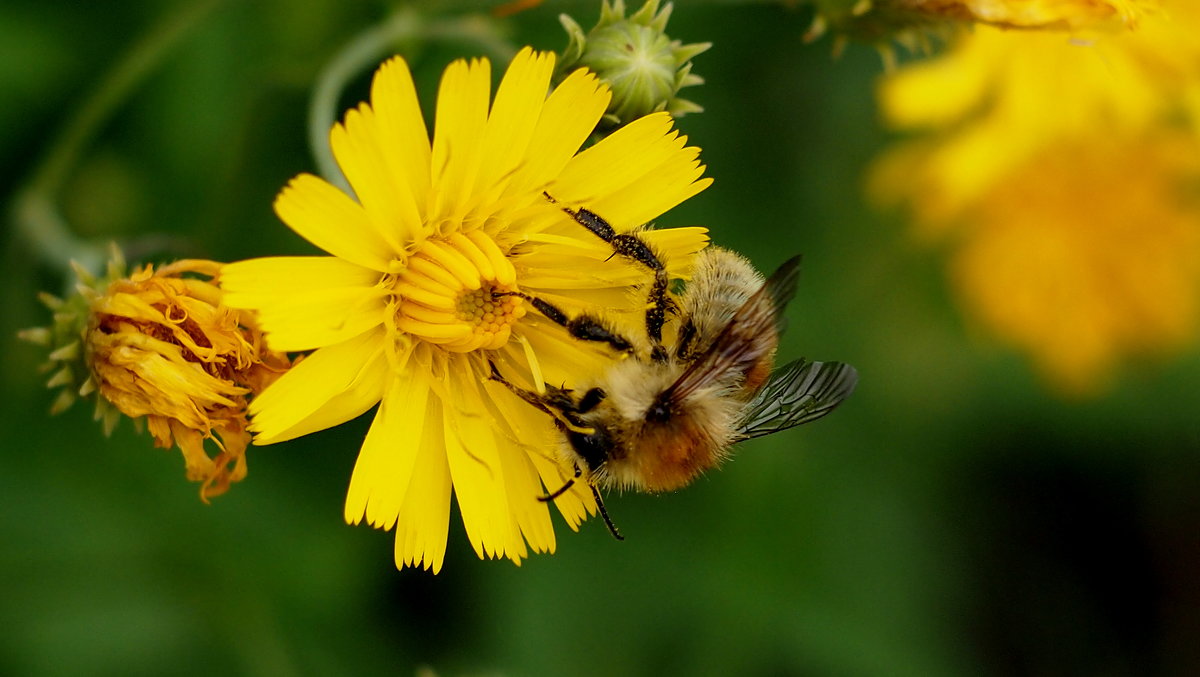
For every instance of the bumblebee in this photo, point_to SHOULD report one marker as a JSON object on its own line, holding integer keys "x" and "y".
{"x": 665, "y": 414}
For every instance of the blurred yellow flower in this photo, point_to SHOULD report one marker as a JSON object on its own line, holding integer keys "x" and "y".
{"x": 999, "y": 97}
{"x": 430, "y": 282}
{"x": 1057, "y": 148}
{"x": 1086, "y": 255}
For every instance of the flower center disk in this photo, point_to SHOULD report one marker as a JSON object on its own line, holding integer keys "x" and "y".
{"x": 459, "y": 293}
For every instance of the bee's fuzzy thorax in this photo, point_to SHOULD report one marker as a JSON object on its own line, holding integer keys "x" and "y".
{"x": 722, "y": 281}
{"x": 668, "y": 454}
{"x": 633, "y": 386}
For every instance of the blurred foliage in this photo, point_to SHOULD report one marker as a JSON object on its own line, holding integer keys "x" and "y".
{"x": 951, "y": 519}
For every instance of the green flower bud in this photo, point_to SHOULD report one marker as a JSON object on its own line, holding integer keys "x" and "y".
{"x": 633, "y": 55}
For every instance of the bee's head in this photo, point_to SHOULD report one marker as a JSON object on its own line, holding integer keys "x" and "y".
{"x": 594, "y": 448}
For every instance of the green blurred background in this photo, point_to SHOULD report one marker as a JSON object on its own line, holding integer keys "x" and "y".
{"x": 952, "y": 518}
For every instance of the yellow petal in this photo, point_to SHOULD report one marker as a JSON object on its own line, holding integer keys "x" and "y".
{"x": 516, "y": 446}
{"x": 563, "y": 359}
{"x": 321, "y": 318}
{"x": 462, "y": 109}
{"x": 475, "y": 467}
{"x": 424, "y": 520}
{"x": 384, "y": 468}
{"x": 329, "y": 387}
{"x": 677, "y": 246}
{"x": 359, "y": 151}
{"x": 306, "y": 302}
{"x": 568, "y": 117}
{"x": 634, "y": 154}
{"x": 405, "y": 144}
{"x": 542, "y": 273}
{"x": 541, "y": 441}
{"x": 512, "y": 120}
{"x": 562, "y": 262}
{"x": 328, "y": 218}
{"x": 248, "y": 283}
{"x": 656, "y": 191}
{"x": 617, "y": 159}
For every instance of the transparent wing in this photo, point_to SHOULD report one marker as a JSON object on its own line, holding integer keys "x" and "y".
{"x": 752, "y": 333}
{"x": 797, "y": 393}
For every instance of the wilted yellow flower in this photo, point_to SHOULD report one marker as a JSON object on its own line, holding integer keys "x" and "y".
{"x": 1033, "y": 142}
{"x": 161, "y": 345}
{"x": 431, "y": 282}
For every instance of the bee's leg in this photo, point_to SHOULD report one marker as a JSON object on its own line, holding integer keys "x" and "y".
{"x": 583, "y": 327}
{"x": 529, "y": 396}
{"x": 633, "y": 247}
{"x": 556, "y": 403}
{"x": 687, "y": 337}
{"x": 590, "y": 400}
{"x": 612, "y": 528}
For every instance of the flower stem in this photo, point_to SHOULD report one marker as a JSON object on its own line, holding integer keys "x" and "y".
{"x": 370, "y": 47}
{"x": 35, "y": 212}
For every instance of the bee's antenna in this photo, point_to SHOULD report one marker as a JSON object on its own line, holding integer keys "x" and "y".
{"x": 612, "y": 528}
{"x": 561, "y": 490}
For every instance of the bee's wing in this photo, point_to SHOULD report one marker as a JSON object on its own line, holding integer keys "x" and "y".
{"x": 797, "y": 393}
{"x": 751, "y": 333}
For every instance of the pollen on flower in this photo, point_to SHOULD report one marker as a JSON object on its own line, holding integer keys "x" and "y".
{"x": 459, "y": 293}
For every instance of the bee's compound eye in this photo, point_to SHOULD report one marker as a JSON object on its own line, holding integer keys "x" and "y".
{"x": 594, "y": 448}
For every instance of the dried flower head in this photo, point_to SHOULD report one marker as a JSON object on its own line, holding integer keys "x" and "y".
{"x": 161, "y": 345}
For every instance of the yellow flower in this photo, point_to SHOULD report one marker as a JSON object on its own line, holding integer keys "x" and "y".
{"x": 430, "y": 283}
{"x": 1041, "y": 153}
{"x": 1087, "y": 255}
{"x": 1001, "y": 97}
{"x": 162, "y": 346}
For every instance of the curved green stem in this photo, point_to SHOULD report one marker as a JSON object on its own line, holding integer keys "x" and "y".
{"x": 35, "y": 210}
{"x": 370, "y": 47}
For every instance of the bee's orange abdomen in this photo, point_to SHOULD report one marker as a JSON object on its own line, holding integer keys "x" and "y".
{"x": 673, "y": 454}
{"x": 757, "y": 375}
{"x": 760, "y": 371}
